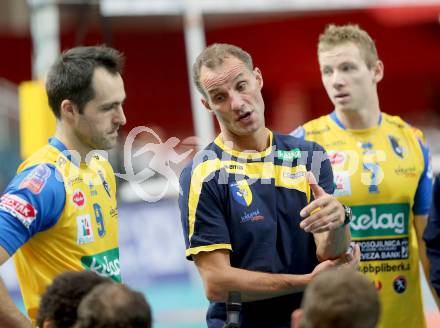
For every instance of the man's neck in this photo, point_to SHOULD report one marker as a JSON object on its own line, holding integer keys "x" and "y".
{"x": 256, "y": 142}
{"x": 358, "y": 120}
{"x": 78, "y": 150}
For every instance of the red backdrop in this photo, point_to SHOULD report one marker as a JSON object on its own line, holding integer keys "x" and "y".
{"x": 284, "y": 48}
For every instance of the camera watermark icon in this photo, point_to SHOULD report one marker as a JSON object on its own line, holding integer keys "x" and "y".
{"x": 163, "y": 154}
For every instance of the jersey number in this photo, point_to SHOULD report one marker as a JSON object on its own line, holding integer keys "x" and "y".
{"x": 374, "y": 170}
{"x": 99, "y": 219}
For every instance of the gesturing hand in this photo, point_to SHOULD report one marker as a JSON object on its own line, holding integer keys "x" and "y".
{"x": 325, "y": 213}
{"x": 348, "y": 260}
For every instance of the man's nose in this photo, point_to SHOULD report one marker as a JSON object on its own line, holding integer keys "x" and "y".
{"x": 338, "y": 80}
{"x": 237, "y": 102}
{"x": 120, "y": 116}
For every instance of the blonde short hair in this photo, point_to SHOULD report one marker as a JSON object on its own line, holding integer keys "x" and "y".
{"x": 335, "y": 35}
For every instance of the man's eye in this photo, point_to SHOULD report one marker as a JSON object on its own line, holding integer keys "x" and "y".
{"x": 347, "y": 68}
{"x": 326, "y": 71}
{"x": 219, "y": 98}
{"x": 241, "y": 86}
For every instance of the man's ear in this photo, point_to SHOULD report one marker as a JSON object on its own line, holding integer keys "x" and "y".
{"x": 68, "y": 110}
{"x": 259, "y": 77}
{"x": 378, "y": 71}
{"x": 206, "y": 105}
{"x": 296, "y": 318}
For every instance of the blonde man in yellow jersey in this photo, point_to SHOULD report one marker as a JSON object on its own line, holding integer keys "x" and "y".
{"x": 381, "y": 170}
{"x": 59, "y": 212}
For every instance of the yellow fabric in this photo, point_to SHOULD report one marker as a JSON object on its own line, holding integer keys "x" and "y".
{"x": 37, "y": 122}
{"x": 77, "y": 241}
{"x": 383, "y": 219}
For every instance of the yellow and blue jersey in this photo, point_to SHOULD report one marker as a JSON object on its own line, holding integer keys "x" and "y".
{"x": 59, "y": 215}
{"x": 249, "y": 204}
{"x": 383, "y": 174}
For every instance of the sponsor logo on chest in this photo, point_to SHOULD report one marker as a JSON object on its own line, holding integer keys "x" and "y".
{"x": 336, "y": 157}
{"x": 380, "y": 220}
{"x": 384, "y": 249}
{"x": 241, "y": 192}
{"x": 398, "y": 149}
{"x": 84, "y": 234}
{"x": 253, "y": 216}
{"x": 288, "y": 155}
{"x": 78, "y": 198}
{"x": 105, "y": 184}
{"x": 342, "y": 184}
{"x": 105, "y": 264}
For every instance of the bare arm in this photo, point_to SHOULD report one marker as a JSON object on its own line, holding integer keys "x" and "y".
{"x": 324, "y": 217}
{"x": 332, "y": 244}
{"x": 10, "y": 316}
{"x": 219, "y": 277}
{"x": 420, "y": 222}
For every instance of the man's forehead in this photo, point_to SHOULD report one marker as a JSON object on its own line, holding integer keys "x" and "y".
{"x": 108, "y": 87}
{"x": 228, "y": 71}
{"x": 340, "y": 53}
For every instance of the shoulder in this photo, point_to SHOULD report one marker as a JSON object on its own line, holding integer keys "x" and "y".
{"x": 398, "y": 124}
{"x": 42, "y": 180}
{"x": 318, "y": 125}
{"x": 46, "y": 154}
{"x": 395, "y": 120}
{"x": 203, "y": 160}
{"x": 289, "y": 142}
{"x": 312, "y": 128}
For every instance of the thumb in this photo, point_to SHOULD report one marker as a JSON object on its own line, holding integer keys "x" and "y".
{"x": 316, "y": 189}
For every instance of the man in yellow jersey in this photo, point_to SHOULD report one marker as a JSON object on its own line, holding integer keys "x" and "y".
{"x": 381, "y": 170}
{"x": 59, "y": 212}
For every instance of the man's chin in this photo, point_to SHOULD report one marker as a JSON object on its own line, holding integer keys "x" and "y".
{"x": 105, "y": 146}
{"x": 345, "y": 109}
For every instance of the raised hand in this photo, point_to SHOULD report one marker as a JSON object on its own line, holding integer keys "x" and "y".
{"x": 324, "y": 213}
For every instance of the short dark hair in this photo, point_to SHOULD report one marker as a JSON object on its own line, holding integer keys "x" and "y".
{"x": 114, "y": 306}
{"x": 70, "y": 77}
{"x": 340, "y": 298}
{"x": 60, "y": 301}
{"x": 214, "y": 55}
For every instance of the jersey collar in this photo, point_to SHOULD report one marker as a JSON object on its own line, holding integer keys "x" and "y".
{"x": 335, "y": 119}
{"x": 219, "y": 142}
{"x": 56, "y": 143}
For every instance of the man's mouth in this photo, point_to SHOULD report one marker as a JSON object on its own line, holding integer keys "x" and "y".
{"x": 341, "y": 95}
{"x": 244, "y": 116}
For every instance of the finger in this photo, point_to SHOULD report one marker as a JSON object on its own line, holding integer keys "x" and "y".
{"x": 314, "y": 186}
{"x": 325, "y": 228}
{"x": 316, "y": 220}
{"x": 357, "y": 252}
{"x": 314, "y": 205}
{"x": 325, "y": 223}
{"x": 318, "y": 213}
{"x": 332, "y": 224}
{"x": 354, "y": 262}
{"x": 343, "y": 259}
